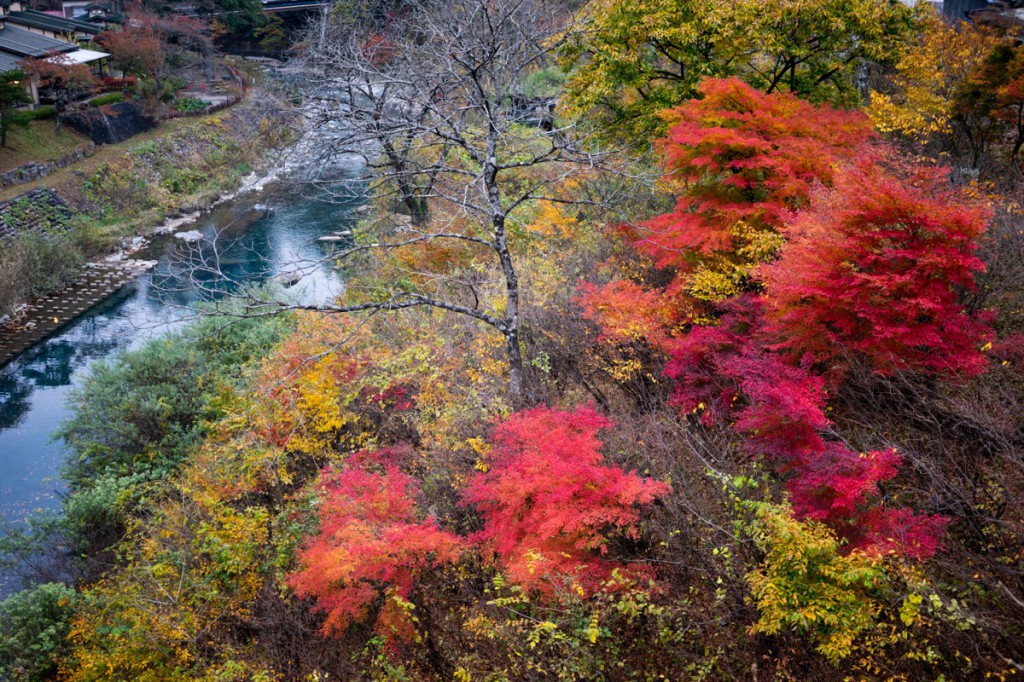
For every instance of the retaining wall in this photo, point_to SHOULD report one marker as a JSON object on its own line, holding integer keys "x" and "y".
{"x": 35, "y": 170}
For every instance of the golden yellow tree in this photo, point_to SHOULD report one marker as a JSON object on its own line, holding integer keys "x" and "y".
{"x": 634, "y": 58}
{"x": 921, "y": 99}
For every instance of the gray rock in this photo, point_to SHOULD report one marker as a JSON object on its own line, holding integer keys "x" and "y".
{"x": 287, "y": 279}
{"x": 190, "y": 236}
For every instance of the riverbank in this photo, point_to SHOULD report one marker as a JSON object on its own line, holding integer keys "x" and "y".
{"x": 47, "y": 315}
{"x": 259, "y": 245}
{"x": 168, "y": 175}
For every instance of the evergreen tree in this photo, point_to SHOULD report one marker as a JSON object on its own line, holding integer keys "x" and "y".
{"x": 12, "y": 95}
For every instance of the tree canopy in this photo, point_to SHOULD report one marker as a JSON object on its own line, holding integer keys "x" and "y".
{"x": 630, "y": 60}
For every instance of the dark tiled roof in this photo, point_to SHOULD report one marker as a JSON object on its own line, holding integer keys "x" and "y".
{"x": 21, "y": 43}
{"x": 9, "y": 62}
{"x": 49, "y": 22}
{"x": 40, "y": 210}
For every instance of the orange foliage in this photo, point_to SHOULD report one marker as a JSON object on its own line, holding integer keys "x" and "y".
{"x": 626, "y": 312}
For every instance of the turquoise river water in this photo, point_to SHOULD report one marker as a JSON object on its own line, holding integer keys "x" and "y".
{"x": 253, "y": 245}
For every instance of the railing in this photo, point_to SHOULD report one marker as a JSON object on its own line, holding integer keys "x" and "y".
{"x": 280, "y": 55}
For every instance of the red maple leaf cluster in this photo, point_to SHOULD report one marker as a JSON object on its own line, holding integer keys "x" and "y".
{"x": 370, "y": 541}
{"x": 548, "y": 501}
{"x": 874, "y": 255}
{"x": 549, "y": 504}
{"x": 874, "y": 268}
{"x": 765, "y": 153}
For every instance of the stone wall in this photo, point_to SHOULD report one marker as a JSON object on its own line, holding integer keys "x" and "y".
{"x": 111, "y": 123}
{"x": 35, "y": 170}
{"x": 39, "y": 210}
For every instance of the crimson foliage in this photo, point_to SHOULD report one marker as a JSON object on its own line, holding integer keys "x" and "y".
{"x": 729, "y": 374}
{"x": 798, "y": 245}
{"x": 549, "y": 503}
{"x": 874, "y": 269}
{"x": 370, "y": 542}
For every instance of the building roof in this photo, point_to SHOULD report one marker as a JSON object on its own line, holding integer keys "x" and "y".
{"x": 47, "y": 22}
{"x": 103, "y": 20}
{"x": 21, "y": 43}
{"x": 9, "y": 62}
{"x": 79, "y": 57}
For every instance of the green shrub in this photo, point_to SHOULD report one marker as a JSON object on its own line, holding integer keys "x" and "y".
{"x": 142, "y": 409}
{"x": 34, "y": 626}
{"x": 141, "y": 413}
{"x": 119, "y": 186}
{"x": 93, "y": 518}
{"x": 49, "y": 262}
{"x": 146, "y": 88}
{"x": 544, "y": 83}
{"x": 182, "y": 180}
{"x": 190, "y": 105}
{"x": 147, "y": 147}
{"x": 109, "y": 98}
{"x": 136, "y": 418}
{"x": 33, "y": 264}
{"x": 231, "y": 342}
{"x": 44, "y": 113}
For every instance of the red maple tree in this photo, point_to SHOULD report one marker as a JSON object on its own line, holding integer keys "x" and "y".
{"x": 739, "y": 155}
{"x": 135, "y": 49}
{"x": 550, "y": 503}
{"x": 371, "y": 543}
{"x": 874, "y": 268}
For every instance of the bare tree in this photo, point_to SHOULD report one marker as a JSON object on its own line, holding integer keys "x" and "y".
{"x": 435, "y": 99}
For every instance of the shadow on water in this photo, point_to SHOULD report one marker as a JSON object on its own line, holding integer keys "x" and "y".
{"x": 242, "y": 245}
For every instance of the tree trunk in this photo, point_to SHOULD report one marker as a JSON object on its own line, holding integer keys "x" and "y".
{"x": 511, "y": 327}
{"x": 516, "y": 378}
{"x": 418, "y": 210}
{"x": 410, "y": 195}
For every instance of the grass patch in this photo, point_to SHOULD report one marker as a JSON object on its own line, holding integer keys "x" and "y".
{"x": 38, "y": 141}
{"x": 109, "y": 98}
{"x": 87, "y": 166}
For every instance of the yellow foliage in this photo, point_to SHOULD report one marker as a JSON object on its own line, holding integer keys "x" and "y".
{"x": 927, "y": 77}
{"x": 806, "y": 583}
{"x": 199, "y": 563}
{"x": 721, "y": 275}
{"x": 553, "y": 220}
{"x": 197, "y": 569}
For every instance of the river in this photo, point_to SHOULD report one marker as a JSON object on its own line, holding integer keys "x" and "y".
{"x": 253, "y": 245}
